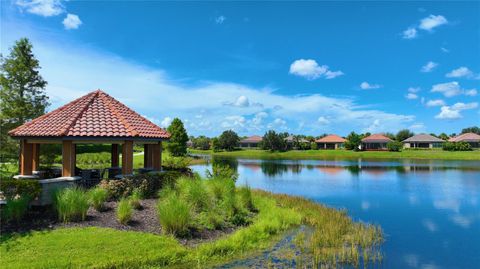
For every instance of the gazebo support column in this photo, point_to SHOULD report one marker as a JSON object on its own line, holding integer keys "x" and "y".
{"x": 36, "y": 157}
{"x": 26, "y": 158}
{"x": 148, "y": 156}
{"x": 127, "y": 158}
{"x": 68, "y": 159}
{"x": 114, "y": 157}
{"x": 157, "y": 156}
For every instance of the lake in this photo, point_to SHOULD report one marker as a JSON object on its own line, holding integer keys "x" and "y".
{"x": 428, "y": 209}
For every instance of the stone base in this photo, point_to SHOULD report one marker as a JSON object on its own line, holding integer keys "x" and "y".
{"x": 26, "y": 177}
{"x": 50, "y": 185}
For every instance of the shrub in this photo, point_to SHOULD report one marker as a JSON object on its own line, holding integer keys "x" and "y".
{"x": 135, "y": 198}
{"x": 16, "y": 208}
{"x": 97, "y": 198}
{"x": 313, "y": 146}
{"x": 456, "y": 146}
{"x": 212, "y": 219}
{"x": 124, "y": 211}
{"x": 174, "y": 214}
{"x": 394, "y": 146}
{"x": 193, "y": 191}
{"x": 25, "y": 187}
{"x": 222, "y": 171}
{"x": 245, "y": 199}
{"x": 71, "y": 204}
{"x": 223, "y": 191}
{"x": 176, "y": 163}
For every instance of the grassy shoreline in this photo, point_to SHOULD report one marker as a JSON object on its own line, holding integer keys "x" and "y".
{"x": 335, "y": 238}
{"x": 346, "y": 154}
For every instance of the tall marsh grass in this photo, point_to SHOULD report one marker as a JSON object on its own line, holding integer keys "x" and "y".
{"x": 71, "y": 204}
{"x": 124, "y": 211}
{"x": 174, "y": 214}
{"x": 97, "y": 198}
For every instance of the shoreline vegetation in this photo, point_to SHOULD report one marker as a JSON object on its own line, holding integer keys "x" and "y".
{"x": 345, "y": 154}
{"x": 333, "y": 238}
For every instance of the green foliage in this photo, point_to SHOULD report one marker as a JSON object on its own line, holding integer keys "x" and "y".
{"x": 24, "y": 187}
{"x": 201, "y": 142}
{"x": 353, "y": 141}
{"x": 16, "y": 208}
{"x": 71, "y": 204}
{"x": 193, "y": 191}
{"x": 228, "y": 140}
{"x": 176, "y": 163}
{"x": 313, "y": 146}
{"x": 177, "y": 145}
{"x": 216, "y": 147}
{"x": 124, "y": 211}
{"x": 394, "y": 146}
{"x": 245, "y": 198}
{"x": 222, "y": 171}
{"x": 22, "y": 92}
{"x": 473, "y": 129}
{"x": 174, "y": 214}
{"x": 403, "y": 134}
{"x": 97, "y": 198}
{"x": 135, "y": 199}
{"x": 456, "y": 146}
{"x": 444, "y": 136}
{"x": 274, "y": 142}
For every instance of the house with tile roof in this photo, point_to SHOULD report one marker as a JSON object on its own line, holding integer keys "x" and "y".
{"x": 94, "y": 118}
{"x": 424, "y": 141}
{"x": 375, "y": 142}
{"x": 330, "y": 142}
{"x": 471, "y": 138}
{"x": 251, "y": 142}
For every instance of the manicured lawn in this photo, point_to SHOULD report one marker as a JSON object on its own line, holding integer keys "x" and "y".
{"x": 334, "y": 235}
{"x": 321, "y": 154}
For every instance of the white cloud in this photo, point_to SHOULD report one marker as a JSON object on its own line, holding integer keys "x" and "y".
{"x": 451, "y": 89}
{"x": 323, "y": 120}
{"x": 445, "y": 50}
{"x": 417, "y": 127}
{"x": 461, "y": 72}
{"x": 220, "y": 19}
{"x": 411, "y": 96}
{"x": 430, "y": 225}
{"x": 166, "y": 122}
{"x": 414, "y": 89}
{"x": 278, "y": 123}
{"x": 45, "y": 8}
{"x": 432, "y": 21}
{"x": 71, "y": 21}
{"x": 437, "y": 102}
{"x": 410, "y": 33}
{"x": 242, "y": 101}
{"x": 310, "y": 69}
{"x": 453, "y": 112}
{"x": 234, "y": 122}
{"x": 367, "y": 86}
{"x": 428, "y": 67}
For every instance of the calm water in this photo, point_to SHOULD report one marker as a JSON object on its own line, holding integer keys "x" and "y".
{"x": 429, "y": 210}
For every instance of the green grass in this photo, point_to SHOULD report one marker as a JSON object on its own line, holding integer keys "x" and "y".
{"x": 124, "y": 211}
{"x": 335, "y": 235}
{"x": 71, "y": 204}
{"x": 346, "y": 154}
{"x": 97, "y": 198}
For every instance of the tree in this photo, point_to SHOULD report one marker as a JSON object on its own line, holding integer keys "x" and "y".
{"x": 201, "y": 142}
{"x": 274, "y": 142}
{"x": 353, "y": 141}
{"x": 22, "y": 92}
{"x": 394, "y": 146}
{"x": 228, "y": 140}
{"x": 443, "y": 136}
{"x": 177, "y": 145}
{"x": 390, "y": 135}
{"x": 473, "y": 129}
{"x": 216, "y": 145}
{"x": 403, "y": 134}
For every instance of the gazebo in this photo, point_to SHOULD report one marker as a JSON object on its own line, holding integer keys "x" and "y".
{"x": 93, "y": 118}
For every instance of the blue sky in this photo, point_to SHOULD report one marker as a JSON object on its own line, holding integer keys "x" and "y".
{"x": 304, "y": 68}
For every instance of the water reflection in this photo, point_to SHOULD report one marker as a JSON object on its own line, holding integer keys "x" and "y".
{"x": 429, "y": 209}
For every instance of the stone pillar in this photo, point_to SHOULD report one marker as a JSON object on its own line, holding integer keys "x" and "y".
{"x": 157, "y": 156}
{"x": 26, "y": 158}
{"x": 36, "y": 157}
{"x": 114, "y": 155}
{"x": 127, "y": 158}
{"x": 68, "y": 159}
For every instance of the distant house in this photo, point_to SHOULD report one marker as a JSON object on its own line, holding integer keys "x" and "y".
{"x": 423, "y": 141}
{"x": 189, "y": 143}
{"x": 471, "y": 138}
{"x": 251, "y": 142}
{"x": 375, "y": 142}
{"x": 291, "y": 141}
{"x": 330, "y": 142}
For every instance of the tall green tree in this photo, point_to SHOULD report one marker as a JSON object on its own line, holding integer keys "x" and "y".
{"x": 403, "y": 134}
{"x": 22, "y": 92}
{"x": 473, "y": 129}
{"x": 353, "y": 141}
{"x": 274, "y": 141}
{"x": 228, "y": 140}
{"x": 177, "y": 145}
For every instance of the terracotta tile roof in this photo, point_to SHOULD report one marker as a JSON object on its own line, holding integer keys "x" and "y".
{"x": 252, "y": 139}
{"x": 379, "y": 138}
{"x": 423, "y": 138}
{"x": 96, "y": 114}
{"x": 467, "y": 137}
{"x": 331, "y": 139}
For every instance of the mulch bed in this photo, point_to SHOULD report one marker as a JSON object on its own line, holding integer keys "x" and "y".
{"x": 143, "y": 220}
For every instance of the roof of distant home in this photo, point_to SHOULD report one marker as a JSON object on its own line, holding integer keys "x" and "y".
{"x": 376, "y": 138}
{"x": 425, "y": 138}
{"x": 291, "y": 139}
{"x": 331, "y": 139}
{"x": 252, "y": 139}
{"x": 96, "y": 114}
{"x": 467, "y": 137}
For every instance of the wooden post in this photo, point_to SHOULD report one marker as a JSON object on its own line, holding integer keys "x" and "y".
{"x": 127, "y": 158}
{"x": 26, "y": 158}
{"x": 68, "y": 159}
{"x": 157, "y": 156}
{"x": 114, "y": 155}
{"x": 36, "y": 157}
{"x": 147, "y": 156}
